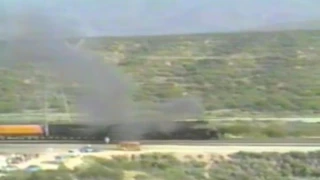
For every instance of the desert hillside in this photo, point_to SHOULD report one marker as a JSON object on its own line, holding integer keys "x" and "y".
{"x": 238, "y": 74}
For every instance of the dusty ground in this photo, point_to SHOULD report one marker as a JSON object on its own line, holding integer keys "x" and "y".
{"x": 204, "y": 153}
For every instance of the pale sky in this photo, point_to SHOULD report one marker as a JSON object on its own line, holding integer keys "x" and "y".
{"x": 143, "y": 17}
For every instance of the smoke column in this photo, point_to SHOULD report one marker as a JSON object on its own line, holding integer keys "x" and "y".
{"x": 34, "y": 37}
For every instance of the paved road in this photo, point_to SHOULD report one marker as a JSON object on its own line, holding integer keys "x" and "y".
{"x": 40, "y": 148}
{"x": 270, "y": 143}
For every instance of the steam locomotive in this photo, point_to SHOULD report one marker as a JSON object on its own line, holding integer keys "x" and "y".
{"x": 183, "y": 130}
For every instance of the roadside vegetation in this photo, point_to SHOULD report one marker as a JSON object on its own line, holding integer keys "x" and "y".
{"x": 267, "y": 129}
{"x": 238, "y": 166}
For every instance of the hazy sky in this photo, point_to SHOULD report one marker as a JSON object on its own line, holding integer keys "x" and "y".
{"x": 136, "y": 17}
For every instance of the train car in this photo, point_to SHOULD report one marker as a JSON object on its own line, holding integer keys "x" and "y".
{"x": 72, "y": 132}
{"x": 183, "y": 134}
{"x": 43, "y": 132}
{"x": 21, "y": 130}
{"x": 170, "y": 131}
{"x": 64, "y": 130}
{"x": 134, "y": 131}
{"x": 122, "y": 131}
{"x": 196, "y": 134}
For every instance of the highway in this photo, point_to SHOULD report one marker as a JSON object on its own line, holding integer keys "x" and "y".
{"x": 217, "y": 148}
{"x": 35, "y": 147}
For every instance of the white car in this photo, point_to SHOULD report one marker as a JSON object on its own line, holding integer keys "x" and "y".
{"x": 74, "y": 152}
{"x": 87, "y": 150}
{"x": 33, "y": 168}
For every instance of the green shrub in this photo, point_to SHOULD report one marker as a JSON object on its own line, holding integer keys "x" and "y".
{"x": 241, "y": 165}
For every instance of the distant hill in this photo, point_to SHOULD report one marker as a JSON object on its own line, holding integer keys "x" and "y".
{"x": 295, "y": 25}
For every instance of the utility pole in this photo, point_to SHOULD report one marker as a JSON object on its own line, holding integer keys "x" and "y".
{"x": 45, "y": 99}
{"x": 66, "y": 105}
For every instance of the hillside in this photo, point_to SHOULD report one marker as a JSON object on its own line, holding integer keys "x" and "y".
{"x": 295, "y": 25}
{"x": 238, "y": 74}
{"x": 275, "y": 72}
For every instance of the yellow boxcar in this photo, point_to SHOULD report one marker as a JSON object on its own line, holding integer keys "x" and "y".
{"x": 21, "y": 130}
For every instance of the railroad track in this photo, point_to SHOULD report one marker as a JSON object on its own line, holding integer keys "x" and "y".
{"x": 223, "y": 142}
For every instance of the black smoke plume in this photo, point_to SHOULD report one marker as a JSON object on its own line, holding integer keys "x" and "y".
{"x": 32, "y": 36}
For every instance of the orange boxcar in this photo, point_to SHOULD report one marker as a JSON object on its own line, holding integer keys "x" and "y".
{"x": 21, "y": 130}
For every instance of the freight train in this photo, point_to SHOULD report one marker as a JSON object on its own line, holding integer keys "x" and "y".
{"x": 42, "y": 132}
{"x": 115, "y": 132}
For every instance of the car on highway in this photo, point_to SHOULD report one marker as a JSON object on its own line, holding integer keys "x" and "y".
{"x": 88, "y": 149}
{"x": 9, "y": 168}
{"x": 32, "y": 168}
{"x": 74, "y": 152}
